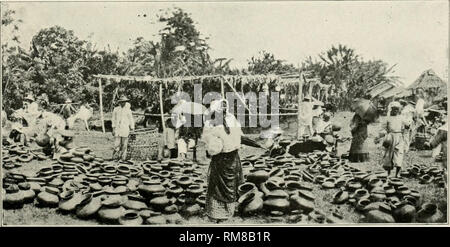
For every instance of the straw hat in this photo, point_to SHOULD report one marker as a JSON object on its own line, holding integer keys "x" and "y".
{"x": 218, "y": 105}
{"x": 68, "y": 101}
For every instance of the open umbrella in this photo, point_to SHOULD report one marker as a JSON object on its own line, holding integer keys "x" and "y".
{"x": 189, "y": 108}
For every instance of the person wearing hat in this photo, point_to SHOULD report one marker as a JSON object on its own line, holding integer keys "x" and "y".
{"x": 394, "y": 141}
{"x": 408, "y": 115}
{"x": 67, "y": 110}
{"x": 306, "y": 117}
{"x": 222, "y": 137}
{"x": 122, "y": 123}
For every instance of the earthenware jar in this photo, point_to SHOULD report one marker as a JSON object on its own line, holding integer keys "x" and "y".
{"x": 159, "y": 203}
{"x": 329, "y": 183}
{"x": 130, "y": 218}
{"x": 110, "y": 214}
{"x": 353, "y": 185}
{"x": 201, "y": 200}
{"x": 171, "y": 209}
{"x": 27, "y": 191}
{"x": 377, "y": 194}
{"x": 361, "y": 204}
{"x": 13, "y": 198}
{"x": 48, "y": 197}
{"x": 246, "y": 187}
{"x": 380, "y": 215}
{"x": 156, "y": 220}
{"x": 174, "y": 190}
{"x": 257, "y": 176}
{"x": 429, "y": 213}
{"x": 193, "y": 191}
{"x": 70, "y": 202}
{"x": 191, "y": 210}
{"x": 149, "y": 191}
{"x": 184, "y": 181}
{"x": 361, "y": 194}
{"x": 404, "y": 213}
{"x": 90, "y": 208}
{"x": 340, "y": 197}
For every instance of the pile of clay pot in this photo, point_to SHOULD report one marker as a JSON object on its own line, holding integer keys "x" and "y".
{"x": 282, "y": 186}
{"x": 425, "y": 174}
{"x": 13, "y": 156}
{"x": 166, "y": 192}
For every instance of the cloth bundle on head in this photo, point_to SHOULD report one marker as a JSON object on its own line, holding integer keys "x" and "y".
{"x": 218, "y": 105}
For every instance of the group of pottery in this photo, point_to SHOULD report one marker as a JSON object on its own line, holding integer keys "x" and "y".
{"x": 425, "y": 174}
{"x": 279, "y": 188}
{"x": 283, "y": 185}
{"x": 13, "y": 156}
{"x": 128, "y": 193}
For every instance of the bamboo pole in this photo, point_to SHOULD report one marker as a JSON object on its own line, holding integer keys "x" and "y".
{"x": 162, "y": 112}
{"x": 222, "y": 87}
{"x": 300, "y": 93}
{"x": 100, "y": 90}
{"x": 239, "y": 96}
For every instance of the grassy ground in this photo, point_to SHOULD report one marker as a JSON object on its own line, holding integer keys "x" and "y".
{"x": 102, "y": 146}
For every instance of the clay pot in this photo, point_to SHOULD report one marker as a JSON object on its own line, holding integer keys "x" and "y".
{"x": 149, "y": 191}
{"x": 250, "y": 203}
{"x": 156, "y": 220}
{"x": 90, "y": 208}
{"x": 193, "y": 191}
{"x": 361, "y": 204}
{"x": 27, "y": 192}
{"x": 110, "y": 214}
{"x": 159, "y": 203}
{"x": 340, "y": 197}
{"x": 353, "y": 185}
{"x": 404, "y": 213}
{"x": 14, "y": 198}
{"x": 329, "y": 183}
{"x": 192, "y": 210}
{"x": 396, "y": 182}
{"x": 174, "y": 191}
{"x": 246, "y": 187}
{"x": 377, "y": 216}
{"x": 171, "y": 209}
{"x": 134, "y": 204}
{"x": 301, "y": 202}
{"x": 130, "y": 218}
{"x": 361, "y": 194}
{"x": 201, "y": 200}
{"x": 70, "y": 204}
{"x": 184, "y": 181}
{"x": 429, "y": 213}
{"x": 174, "y": 218}
{"x": 258, "y": 176}
{"x": 46, "y": 199}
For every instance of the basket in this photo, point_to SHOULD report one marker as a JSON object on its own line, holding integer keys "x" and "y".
{"x": 143, "y": 144}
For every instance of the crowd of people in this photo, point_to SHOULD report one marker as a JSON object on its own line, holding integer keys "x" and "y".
{"x": 405, "y": 119}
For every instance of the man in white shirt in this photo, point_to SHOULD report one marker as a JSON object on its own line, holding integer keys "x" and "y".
{"x": 122, "y": 123}
{"x": 306, "y": 108}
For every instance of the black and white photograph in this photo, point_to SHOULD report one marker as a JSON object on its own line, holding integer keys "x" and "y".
{"x": 217, "y": 113}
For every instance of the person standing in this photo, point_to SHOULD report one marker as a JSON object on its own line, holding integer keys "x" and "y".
{"x": 305, "y": 125}
{"x": 408, "y": 115}
{"x": 441, "y": 139}
{"x": 222, "y": 136}
{"x": 394, "y": 141}
{"x": 122, "y": 123}
{"x": 67, "y": 110}
{"x": 359, "y": 151}
{"x": 420, "y": 112}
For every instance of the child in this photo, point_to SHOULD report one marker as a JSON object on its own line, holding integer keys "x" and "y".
{"x": 394, "y": 141}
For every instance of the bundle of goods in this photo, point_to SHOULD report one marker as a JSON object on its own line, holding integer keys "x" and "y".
{"x": 124, "y": 193}
{"x": 366, "y": 110}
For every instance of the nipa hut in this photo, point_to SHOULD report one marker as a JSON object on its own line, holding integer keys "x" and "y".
{"x": 433, "y": 86}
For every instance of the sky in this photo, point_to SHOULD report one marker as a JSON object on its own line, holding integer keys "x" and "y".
{"x": 413, "y": 35}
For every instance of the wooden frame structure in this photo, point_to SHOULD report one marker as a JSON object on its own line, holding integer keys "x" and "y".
{"x": 224, "y": 79}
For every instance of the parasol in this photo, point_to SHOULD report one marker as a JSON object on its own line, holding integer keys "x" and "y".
{"x": 189, "y": 108}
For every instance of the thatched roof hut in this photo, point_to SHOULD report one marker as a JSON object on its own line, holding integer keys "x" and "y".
{"x": 428, "y": 79}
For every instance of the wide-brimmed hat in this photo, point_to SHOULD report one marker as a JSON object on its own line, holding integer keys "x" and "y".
{"x": 66, "y": 133}
{"x": 123, "y": 99}
{"x": 68, "y": 101}
{"x": 396, "y": 105}
{"x": 29, "y": 98}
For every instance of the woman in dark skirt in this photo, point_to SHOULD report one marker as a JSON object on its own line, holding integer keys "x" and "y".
{"x": 359, "y": 151}
{"x": 222, "y": 135}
